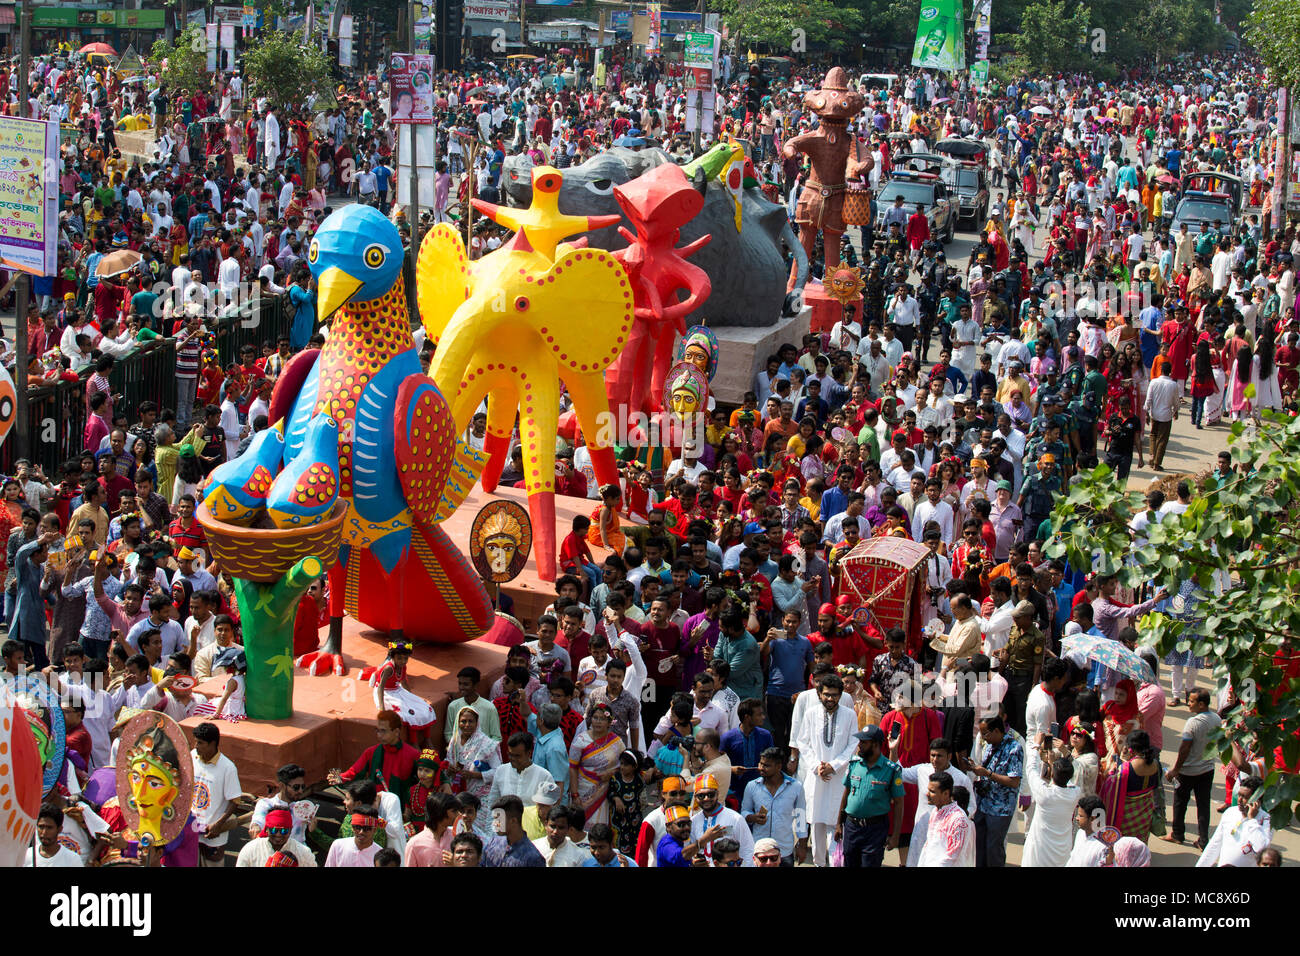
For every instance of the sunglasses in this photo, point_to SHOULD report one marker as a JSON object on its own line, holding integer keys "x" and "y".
{"x": 733, "y": 863}
{"x": 769, "y": 858}
{"x": 362, "y": 829}
{"x": 283, "y": 831}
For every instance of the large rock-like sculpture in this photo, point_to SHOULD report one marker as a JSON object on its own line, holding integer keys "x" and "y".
{"x": 746, "y": 267}
{"x": 511, "y": 325}
{"x": 363, "y": 459}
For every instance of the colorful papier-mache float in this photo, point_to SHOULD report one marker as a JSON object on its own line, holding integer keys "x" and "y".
{"x": 359, "y": 467}
{"x": 511, "y": 325}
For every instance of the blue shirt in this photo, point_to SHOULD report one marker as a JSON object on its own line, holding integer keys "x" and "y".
{"x": 613, "y": 863}
{"x": 669, "y": 852}
{"x": 382, "y": 177}
{"x": 1008, "y": 759}
{"x": 500, "y": 853}
{"x": 550, "y": 752}
{"x": 833, "y": 502}
{"x": 787, "y": 816}
{"x": 788, "y": 660}
{"x": 744, "y": 751}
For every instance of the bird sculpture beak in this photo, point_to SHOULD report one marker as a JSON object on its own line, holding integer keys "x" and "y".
{"x": 333, "y": 288}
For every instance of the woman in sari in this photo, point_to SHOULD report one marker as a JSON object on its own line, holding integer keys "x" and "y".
{"x": 1120, "y": 715}
{"x": 593, "y": 761}
{"x": 1120, "y": 381}
{"x": 469, "y": 753}
{"x": 1207, "y": 384}
{"x": 1128, "y": 789}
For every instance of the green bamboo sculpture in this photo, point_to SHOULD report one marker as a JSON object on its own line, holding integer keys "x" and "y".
{"x": 266, "y": 613}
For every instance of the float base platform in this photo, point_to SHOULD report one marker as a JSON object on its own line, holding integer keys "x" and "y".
{"x": 334, "y": 717}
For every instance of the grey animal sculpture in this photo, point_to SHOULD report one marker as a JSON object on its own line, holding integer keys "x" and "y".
{"x": 747, "y": 268}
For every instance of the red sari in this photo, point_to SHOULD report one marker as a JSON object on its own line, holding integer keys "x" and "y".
{"x": 909, "y": 748}
{"x": 1178, "y": 336}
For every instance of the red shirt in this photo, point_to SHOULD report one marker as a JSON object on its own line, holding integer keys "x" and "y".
{"x": 191, "y": 537}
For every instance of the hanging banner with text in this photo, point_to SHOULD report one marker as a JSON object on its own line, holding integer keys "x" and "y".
{"x": 939, "y": 43}
{"x": 983, "y": 22}
{"x": 652, "y": 12}
{"x": 698, "y": 61}
{"x": 410, "y": 83}
{"x": 29, "y": 196}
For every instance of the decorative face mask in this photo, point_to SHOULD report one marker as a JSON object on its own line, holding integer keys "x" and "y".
{"x": 500, "y": 552}
{"x": 153, "y": 790}
{"x": 685, "y": 391}
{"x": 155, "y": 778}
{"x": 699, "y": 347}
{"x": 845, "y": 286}
{"x": 500, "y": 541}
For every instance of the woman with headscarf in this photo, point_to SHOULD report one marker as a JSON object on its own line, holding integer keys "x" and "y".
{"x": 1120, "y": 715}
{"x": 470, "y": 753}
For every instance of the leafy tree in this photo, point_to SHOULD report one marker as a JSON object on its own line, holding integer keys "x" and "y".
{"x": 283, "y": 68}
{"x": 773, "y": 23}
{"x": 1274, "y": 30}
{"x": 1240, "y": 537}
{"x": 187, "y": 60}
{"x": 1049, "y": 38}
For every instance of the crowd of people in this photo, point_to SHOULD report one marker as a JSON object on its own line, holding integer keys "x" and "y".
{"x": 697, "y": 694}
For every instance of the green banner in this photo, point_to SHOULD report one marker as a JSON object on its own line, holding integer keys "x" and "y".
{"x": 44, "y": 17}
{"x": 698, "y": 51}
{"x": 940, "y": 43}
{"x": 979, "y": 73}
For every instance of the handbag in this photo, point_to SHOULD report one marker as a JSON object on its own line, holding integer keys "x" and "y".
{"x": 857, "y": 204}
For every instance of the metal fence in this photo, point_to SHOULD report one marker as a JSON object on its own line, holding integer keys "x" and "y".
{"x": 56, "y": 413}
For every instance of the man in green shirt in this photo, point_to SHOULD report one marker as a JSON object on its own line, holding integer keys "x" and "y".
{"x": 871, "y": 810}
{"x": 738, "y": 648}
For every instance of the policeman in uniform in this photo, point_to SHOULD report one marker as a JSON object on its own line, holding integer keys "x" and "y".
{"x": 1038, "y": 494}
{"x": 871, "y": 810}
{"x": 1021, "y": 661}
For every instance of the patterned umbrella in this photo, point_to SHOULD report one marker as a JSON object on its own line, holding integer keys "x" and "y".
{"x": 1110, "y": 654}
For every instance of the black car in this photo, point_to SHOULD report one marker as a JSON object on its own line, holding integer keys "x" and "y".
{"x": 917, "y": 188}
{"x": 969, "y": 185}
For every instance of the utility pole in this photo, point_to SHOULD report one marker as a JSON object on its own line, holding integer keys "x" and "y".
{"x": 413, "y": 207}
{"x": 23, "y": 291}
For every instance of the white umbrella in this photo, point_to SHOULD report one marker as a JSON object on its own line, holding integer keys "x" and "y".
{"x": 1041, "y": 111}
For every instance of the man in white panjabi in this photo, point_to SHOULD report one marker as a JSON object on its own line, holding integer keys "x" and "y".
{"x": 920, "y": 774}
{"x": 1050, "y": 835}
{"x": 949, "y": 839}
{"x": 826, "y": 745}
{"x": 1244, "y": 829}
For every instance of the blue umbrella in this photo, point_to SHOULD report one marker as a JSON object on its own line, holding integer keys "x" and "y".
{"x": 1108, "y": 653}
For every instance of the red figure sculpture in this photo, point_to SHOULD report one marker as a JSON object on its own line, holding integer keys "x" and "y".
{"x": 658, "y": 203}
{"x": 821, "y": 204}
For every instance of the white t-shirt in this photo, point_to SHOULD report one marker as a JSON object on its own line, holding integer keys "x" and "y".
{"x": 215, "y": 785}
{"x": 64, "y": 857}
